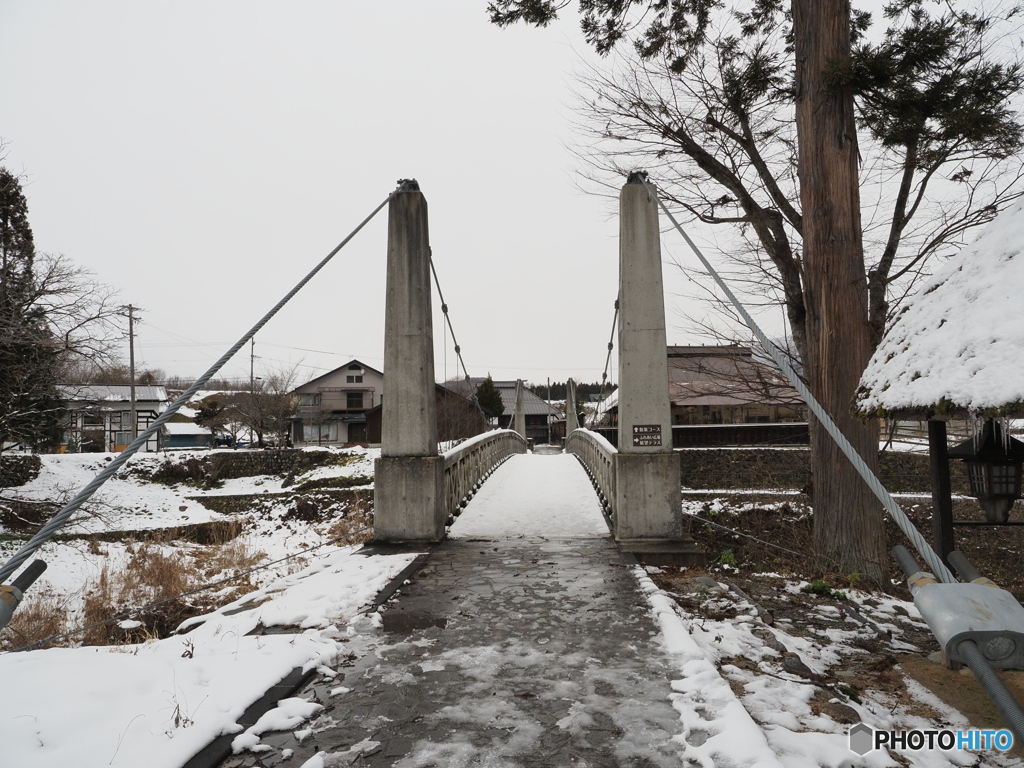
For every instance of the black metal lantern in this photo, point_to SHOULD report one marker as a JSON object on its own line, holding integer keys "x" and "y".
{"x": 994, "y": 470}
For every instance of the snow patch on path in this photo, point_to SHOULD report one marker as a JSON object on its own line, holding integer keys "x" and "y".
{"x": 533, "y": 495}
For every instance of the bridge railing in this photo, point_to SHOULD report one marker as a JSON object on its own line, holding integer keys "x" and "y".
{"x": 597, "y": 456}
{"x": 468, "y": 464}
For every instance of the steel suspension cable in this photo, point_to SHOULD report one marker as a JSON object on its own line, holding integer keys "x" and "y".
{"x": 62, "y": 517}
{"x": 611, "y": 346}
{"x": 938, "y": 568}
{"x": 448, "y": 319}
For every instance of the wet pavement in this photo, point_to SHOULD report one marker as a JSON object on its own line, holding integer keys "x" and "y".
{"x": 510, "y": 651}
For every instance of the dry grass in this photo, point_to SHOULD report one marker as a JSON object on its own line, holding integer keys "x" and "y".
{"x": 152, "y": 573}
{"x": 39, "y": 616}
{"x": 357, "y": 514}
{"x": 156, "y": 571}
{"x": 231, "y": 557}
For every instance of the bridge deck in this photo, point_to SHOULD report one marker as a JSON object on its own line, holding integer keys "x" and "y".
{"x": 523, "y": 641}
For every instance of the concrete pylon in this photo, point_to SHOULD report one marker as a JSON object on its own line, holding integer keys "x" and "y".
{"x": 572, "y": 419}
{"x": 409, "y": 482}
{"x": 519, "y": 418}
{"x": 648, "y": 520}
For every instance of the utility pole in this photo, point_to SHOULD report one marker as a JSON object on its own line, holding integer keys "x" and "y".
{"x": 548, "y": 415}
{"x": 252, "y": 385}
{"x": 131, "y": 371}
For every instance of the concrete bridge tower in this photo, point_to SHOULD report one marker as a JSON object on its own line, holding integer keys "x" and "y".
{"x": 572, "y": 420}
{"x": 409, "y": 486}
{"x": 648, "y": 503}
{"x": 519, "y": 417}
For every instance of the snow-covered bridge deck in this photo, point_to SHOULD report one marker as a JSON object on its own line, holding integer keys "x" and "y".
{"x": 525, "y": 640}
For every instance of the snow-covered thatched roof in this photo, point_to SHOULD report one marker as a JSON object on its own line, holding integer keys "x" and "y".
{"x": 958, "y": 344}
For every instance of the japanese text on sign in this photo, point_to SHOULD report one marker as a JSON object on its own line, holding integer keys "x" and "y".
{"x": 645, "y": 435}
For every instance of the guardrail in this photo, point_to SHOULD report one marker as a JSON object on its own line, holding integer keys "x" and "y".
{"x": 597, "y": 456}
{"x": 468, "y": 464}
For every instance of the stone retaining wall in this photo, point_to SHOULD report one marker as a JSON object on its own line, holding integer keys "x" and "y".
{"x": 203, "y": 470}
{"x": 766, "y": 468}
{"x": 243, "y": 503}
{"x": 226, "y": 465}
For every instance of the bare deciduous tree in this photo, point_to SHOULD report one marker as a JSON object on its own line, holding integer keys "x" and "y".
{"x": 267, "y": 410}
{"x": 721, "y": 141}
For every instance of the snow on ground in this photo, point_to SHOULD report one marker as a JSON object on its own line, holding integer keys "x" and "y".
{"x": 129, "y": 502}
{"x": 770, "y": 721}
{"x": 789, "y": 732}
{"x": 158, "y": 703}
{"x": 133, "y": 502}
{"x": 732, "y": 716}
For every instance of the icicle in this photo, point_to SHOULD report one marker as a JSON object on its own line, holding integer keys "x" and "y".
{"x": 1004, "y": 426}
{"x": 977, "y": 425}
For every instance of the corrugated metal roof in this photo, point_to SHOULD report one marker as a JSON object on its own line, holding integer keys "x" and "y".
{"x": 723, "y": 350}
{"x": 723, "y": 375}
{"x": 111, "y": 393}
{"x": 183, "y": 428}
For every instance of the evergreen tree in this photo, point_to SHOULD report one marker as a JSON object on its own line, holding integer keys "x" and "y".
{"x": 490, "y": 398}
{"x": 30, "y": 408}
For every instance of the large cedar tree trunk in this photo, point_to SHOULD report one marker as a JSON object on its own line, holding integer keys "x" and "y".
{"x": 848, "y": 532}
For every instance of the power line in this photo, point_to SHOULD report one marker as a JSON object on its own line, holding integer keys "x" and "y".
{"x": 321, "y": 351}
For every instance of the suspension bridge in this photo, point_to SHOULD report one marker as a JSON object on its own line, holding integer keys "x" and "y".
{"x": 519, "y": 640}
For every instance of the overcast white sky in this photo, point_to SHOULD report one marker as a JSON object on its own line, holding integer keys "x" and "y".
{"x": 201, "y": 157}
